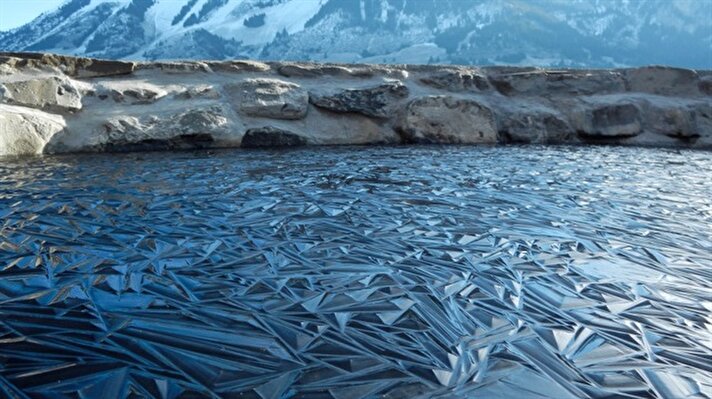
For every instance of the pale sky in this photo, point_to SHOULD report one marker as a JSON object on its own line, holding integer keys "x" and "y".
{"x": 14, "y": 13}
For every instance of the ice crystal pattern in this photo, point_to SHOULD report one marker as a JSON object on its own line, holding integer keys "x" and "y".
{"x": 522, "y": 272}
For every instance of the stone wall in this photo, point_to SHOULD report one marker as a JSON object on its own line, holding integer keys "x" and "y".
{"x": 51, "y": 104}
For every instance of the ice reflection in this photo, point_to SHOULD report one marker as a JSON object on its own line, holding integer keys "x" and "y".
{"x": 358, "y": 272}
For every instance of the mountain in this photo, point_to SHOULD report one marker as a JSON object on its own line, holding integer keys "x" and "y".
{"x": 573, "y": 33}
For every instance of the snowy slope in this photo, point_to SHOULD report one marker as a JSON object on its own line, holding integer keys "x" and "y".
{"x": 586, "y": 33}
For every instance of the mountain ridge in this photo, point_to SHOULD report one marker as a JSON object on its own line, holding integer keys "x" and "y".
{"x": 551, "y": 33}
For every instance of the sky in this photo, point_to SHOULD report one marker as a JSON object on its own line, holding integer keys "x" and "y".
{"x": 14, "y": 13}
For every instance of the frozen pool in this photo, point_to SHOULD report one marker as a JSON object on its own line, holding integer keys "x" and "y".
{"x": 398, "y": 272}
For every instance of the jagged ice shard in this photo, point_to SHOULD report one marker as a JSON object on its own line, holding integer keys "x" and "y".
{"x": 413, "y": 272}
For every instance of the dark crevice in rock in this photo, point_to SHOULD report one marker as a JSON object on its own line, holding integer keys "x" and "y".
{"x": 507, "y": 137}
{"x": 685, "y": 138}
{"x": 411, "y": 136}
{"x": 504, "y": 87}
{"x": 271, "y": 137}
{"x": 602, "y": 138}
{"x": 182, "y": 142}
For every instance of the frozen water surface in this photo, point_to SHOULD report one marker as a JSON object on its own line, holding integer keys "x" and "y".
{"x": 405, "y": 272}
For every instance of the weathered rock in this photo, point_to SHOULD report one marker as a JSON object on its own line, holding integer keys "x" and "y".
{"x": 330, "y": 128}
{"x": 143, "y": 95}
{"x": 663, "y": 80}
{"x": 557, "y": 83}
{"x": 671, "y": 120}
{"x": 445, "y": 119}
{"x": 269, "y": 136}
{"x": 315, "y": 70}
{"x": 78, "y": 67}
{"x": 8, "y": 65}
{"x": 456, "y": 81}
{"x": 609, "y": 121}
{"x": 377, "y": 102}
{"x": 98, "y": 68}
{"x": 239, "y": 66}
{"x": 202, "y": 121}
{"x": 705, "y": 85}
{"x": 702, "y": 117}
{"x": 498, "y": 70}
{"x": 329, "y": 104}
{"x": 26, "y": 131}
{"x": 534, "y": 127}
{"x": 191, "y": 129}
{"x": 53, "y": 93}
{"x": 298, "y": 71}
{"x": 269, "y": 98}
{"x": 137, "y": 95}
{"x": 176, "y": 67}
{"x": 198, "y": 92}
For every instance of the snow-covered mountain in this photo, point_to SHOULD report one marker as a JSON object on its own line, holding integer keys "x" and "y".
{"x": 585, "y": 33}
